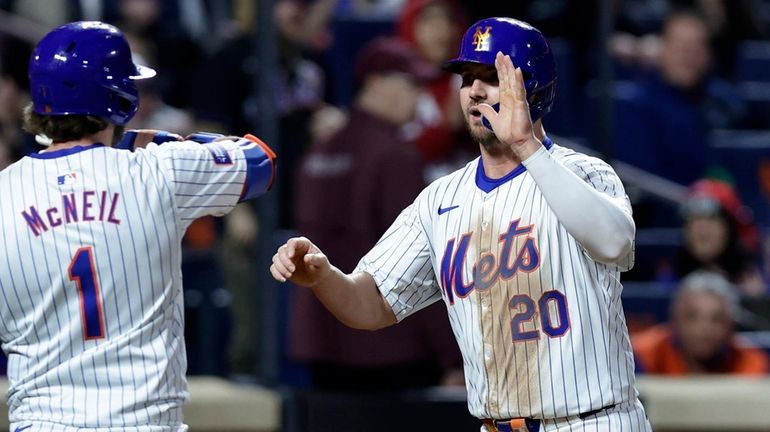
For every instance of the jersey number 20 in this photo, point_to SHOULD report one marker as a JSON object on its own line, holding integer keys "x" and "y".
{"x": 552, "y": 326}
{"x": 82, "y": 271}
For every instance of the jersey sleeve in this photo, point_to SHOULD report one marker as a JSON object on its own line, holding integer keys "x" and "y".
{"x": 401, "y": 266}
{"x": 210, "y": 179}
{"x": 602, "y": 177}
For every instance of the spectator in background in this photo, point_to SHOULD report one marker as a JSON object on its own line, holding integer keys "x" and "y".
{"x": 341, "y": 206}
{"x": 153, "y": 112}
{"x": 14, "y": 58}
{"x": 729, "y": 23}
{"x": 719, "y": 236}
{"x": 298, "y": 88}
{"x": 700, "y": 338}
{"x": 433, "y": 28}
{"x": 663, "y": 124}
{"x": 175, "y": 52}
{"x": 298, "y": 84}
{"x": 13, "y": 142}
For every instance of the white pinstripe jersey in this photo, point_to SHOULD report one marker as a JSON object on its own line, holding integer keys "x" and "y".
{"x": 539, "y": 322}
{"x": 91, "y": 316}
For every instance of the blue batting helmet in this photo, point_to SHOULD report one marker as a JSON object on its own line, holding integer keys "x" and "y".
{"x": 528, "y": 48}
{"x": 85, "y": 68}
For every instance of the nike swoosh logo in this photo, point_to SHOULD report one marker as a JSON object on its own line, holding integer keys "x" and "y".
{"x": 20, "y": 428}
{"x": 446, "y": 209}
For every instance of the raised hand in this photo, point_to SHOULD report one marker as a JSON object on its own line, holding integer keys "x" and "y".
{"x": 512, "y": 124}
{"x": 300, "y": 261}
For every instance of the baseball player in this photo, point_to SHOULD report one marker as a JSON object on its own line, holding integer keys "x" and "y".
{"x": 91, "y": 316}
{"x": 524, "y": 245}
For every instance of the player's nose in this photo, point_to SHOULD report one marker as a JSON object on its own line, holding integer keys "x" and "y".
{"x": 478, "y": 90}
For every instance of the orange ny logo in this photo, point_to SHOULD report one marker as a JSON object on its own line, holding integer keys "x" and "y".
{"x": 481, "y": 39}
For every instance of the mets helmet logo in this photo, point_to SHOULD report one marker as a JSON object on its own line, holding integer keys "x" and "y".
{"x": 481, "y": 39}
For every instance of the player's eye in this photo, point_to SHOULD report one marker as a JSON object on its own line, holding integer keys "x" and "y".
{"x": 468, "y": 79}
{"x": 490, "y": 78}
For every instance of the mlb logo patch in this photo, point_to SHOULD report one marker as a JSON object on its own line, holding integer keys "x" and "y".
{"x": 67, "y": 179}
{"x": 221, "y": 157}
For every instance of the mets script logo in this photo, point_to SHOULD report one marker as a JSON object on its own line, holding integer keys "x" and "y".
{"x": 481, "y": 39}
{"x": 487, "y": 269}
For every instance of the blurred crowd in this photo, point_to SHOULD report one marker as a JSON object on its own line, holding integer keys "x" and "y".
{"x": 366, "y": 118}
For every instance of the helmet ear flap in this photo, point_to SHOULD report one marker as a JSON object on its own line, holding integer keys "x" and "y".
{"x": 541, "y": 101}
{"x": 123, "y": 105}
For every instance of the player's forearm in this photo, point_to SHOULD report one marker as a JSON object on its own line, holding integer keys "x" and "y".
{"x": 354, "y": 300}
{"x": 601, "y": 225}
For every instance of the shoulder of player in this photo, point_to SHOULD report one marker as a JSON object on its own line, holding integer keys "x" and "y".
{"x": 576, "y": 160}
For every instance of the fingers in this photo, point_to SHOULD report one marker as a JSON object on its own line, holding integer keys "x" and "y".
{"x": 285, "y": 260}
{"x": 487, "y": 111}
{"x": 283, "y": 266}
{"x": 509, "y": 78}
{"x": 297, "y": 246}
{"x": 519, "y": 91}
{"x": 502, "y": 72}
{"x": 291, "y": 247}
{"x": 503, "y": 77}
{"x": 315, "y": 259}
{"x": 278, "y": 270}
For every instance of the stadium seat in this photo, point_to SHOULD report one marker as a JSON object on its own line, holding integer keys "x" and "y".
{"x": 753, "y": 61}
{"x": 645, "y": 304}
{"x": 756, "y": 95}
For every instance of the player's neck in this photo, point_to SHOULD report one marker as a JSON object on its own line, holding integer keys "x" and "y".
{"x": 103, "y": 137}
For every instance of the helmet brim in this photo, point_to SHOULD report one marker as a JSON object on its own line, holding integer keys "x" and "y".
{"x": 455, "y": 65}
{"x": 143, "y": 72}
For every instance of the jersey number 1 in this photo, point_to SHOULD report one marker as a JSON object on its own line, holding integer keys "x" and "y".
{"x": 82, "y": 271}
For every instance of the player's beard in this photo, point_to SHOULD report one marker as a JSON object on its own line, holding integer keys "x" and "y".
{"x": 482, "y": 135}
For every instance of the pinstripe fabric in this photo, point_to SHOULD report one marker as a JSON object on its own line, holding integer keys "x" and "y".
{"x": 539, "y": 322}
{"x": 130, "y": 210}
{"x": 625, "y": 417}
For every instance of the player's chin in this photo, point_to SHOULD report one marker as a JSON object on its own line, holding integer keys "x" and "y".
{"x": 479, "y": 132}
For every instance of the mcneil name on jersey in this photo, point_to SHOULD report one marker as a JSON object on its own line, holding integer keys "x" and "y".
{"x": 86, "y": 206}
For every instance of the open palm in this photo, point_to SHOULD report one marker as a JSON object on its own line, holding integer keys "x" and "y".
{"x": 512, "y": 124}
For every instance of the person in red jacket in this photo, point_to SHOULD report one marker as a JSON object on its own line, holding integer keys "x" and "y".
{"x": 434, "y": 28}
{"x": 700, "y": 338}
{"x": 349, "y": 189}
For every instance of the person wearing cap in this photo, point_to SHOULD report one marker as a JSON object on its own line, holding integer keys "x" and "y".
{"x": 524, "y": 246}
{"x": 93, "y": 309}
{"x": 349, "y": 189}
{"x": 700, "y": 338}
{"x": 714, "y": 220}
